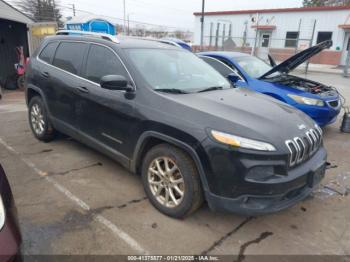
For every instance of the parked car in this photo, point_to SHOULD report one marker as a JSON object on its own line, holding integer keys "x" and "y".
{"x": 321, "y": 102}
{"x": 176, "y": 42}
{"x": 10, "y": 237}
{"x": 165, "y": 114}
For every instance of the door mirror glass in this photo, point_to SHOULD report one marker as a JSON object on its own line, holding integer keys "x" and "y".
{"x": 233, "y": 78}
{"x": 115, "y": 82}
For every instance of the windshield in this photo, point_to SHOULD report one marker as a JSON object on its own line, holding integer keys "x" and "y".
{"x": 169, "y": 70}
{"x": 254, "y": 66}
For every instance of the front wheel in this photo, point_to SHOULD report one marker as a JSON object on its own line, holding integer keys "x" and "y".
{"x": 171, "y": 181}
{"x": 39, "y": 121}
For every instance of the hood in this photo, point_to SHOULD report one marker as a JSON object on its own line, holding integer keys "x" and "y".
{"x": 244, "y": 113}
{"x": 296, "y": 60}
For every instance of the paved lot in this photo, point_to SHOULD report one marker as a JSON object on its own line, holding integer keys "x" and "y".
{"x": 73, "y": 200}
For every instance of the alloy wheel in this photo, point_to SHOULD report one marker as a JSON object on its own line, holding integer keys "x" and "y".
{"x": 37, "y": 119}
{"x": 166, "y": 182}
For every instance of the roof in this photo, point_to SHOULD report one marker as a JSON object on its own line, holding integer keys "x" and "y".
{"x": 124, "y": 41}
{"x": 9, "y": 12}
{"x": 87, "y": 18}
{"x": 278, "y": 10}
{"x": 224, "y": 54}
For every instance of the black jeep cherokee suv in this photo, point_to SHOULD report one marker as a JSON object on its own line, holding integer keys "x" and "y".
{"x": 164, "y": 113}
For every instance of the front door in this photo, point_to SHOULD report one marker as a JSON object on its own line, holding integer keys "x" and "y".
{"x": 264, "y": 45}
{"x": 346, "y": 49}
{"x": 105, "y": 115}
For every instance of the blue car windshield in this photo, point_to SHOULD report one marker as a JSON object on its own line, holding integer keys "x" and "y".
{"x": 169, "y": 69}
{"x": 254, "y": 67}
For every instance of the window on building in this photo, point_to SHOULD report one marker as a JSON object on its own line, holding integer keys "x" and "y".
{"x": 291, "y": 39}
{"x": 69, "y": 56}
{"x": 48, "y": 52}
{"x": 101, "y": 62}
{"x": 324, "y": 36}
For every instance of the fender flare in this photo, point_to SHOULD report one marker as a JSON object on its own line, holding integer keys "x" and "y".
{"x": 171, "y": 140}
{"x": 41, "y": 93}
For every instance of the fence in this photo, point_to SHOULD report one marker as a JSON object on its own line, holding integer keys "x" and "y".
{"x": 262, "y": 41}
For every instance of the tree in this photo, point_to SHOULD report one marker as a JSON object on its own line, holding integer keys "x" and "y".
{"x": 41, "y": 10}
{"x": 325, "y": 2}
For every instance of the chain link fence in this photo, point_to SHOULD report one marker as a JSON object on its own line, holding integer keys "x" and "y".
{"x": 260, "y": 42}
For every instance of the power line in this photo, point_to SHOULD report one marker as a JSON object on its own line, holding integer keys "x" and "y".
{"x": 14, "y": 2}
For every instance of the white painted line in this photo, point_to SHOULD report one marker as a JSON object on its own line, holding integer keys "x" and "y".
{"x": 99, "y": 218}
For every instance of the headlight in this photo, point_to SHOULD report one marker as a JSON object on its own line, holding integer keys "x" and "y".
{"x": 2, "y": 213}
{"x": 242, "y": 142}
{"x": 306, "y": 100}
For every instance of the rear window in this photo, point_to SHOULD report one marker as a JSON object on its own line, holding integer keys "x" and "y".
{"x": 48, "y": 52}
{"x": 69, "y": 56}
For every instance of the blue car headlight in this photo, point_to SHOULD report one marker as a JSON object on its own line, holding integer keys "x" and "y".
{"x": 306, "y": 100}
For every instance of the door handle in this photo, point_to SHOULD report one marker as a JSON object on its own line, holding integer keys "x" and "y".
{"x": 83, "y": 89}
{"x": 45, "y": 74}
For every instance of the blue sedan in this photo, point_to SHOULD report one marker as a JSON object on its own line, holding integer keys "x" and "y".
{"x": 321, "y": 102}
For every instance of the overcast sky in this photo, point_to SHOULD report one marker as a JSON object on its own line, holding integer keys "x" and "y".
{"x": 175, "y": 13}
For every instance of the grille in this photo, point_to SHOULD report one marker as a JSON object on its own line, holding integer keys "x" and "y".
{"x": 334, "y": 103}
{"x": 302, "y": 148}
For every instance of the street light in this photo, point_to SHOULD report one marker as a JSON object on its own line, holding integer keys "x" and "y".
{"x": 129, "y": 22}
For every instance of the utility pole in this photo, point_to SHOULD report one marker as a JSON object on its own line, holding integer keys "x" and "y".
{"x": 202, "y": 24}
{"x": 73, "y": 5}
{"x": 256, "y": 34}
{"x": 124, "y": 16}
{"x": 128, "y": 24}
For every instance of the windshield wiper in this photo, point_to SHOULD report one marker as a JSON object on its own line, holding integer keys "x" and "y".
{"x": 171, "y": 90}
{"x": 211, "y": 89}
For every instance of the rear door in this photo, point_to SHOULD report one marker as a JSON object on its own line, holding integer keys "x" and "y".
{"x": 65, "y": 80}
{"x": 106, "y": 115}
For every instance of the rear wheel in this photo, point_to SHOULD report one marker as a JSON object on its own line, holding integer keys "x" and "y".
{"x": 171, "y": 181}
{"x": 39, "y": 121}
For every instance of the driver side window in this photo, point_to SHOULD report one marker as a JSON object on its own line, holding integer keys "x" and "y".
{"x": 222, "y": 68}
{"x": 101, "y": 62}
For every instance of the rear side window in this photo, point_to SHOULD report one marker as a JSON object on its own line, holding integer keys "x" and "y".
{"x": 69, "y": 56}
{"x": 48, "y": 52}
{"x": 101, "y": 62}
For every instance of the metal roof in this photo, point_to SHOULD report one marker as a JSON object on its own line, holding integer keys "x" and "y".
{"x": 277, "y": 10}
{"x": 9, "y": 12}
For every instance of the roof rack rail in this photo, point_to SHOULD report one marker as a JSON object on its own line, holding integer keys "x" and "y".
{"x": 87, "y": 33}
{"x": 159, "y": 40}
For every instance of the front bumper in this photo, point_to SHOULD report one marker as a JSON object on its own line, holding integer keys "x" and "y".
{"x": 10, "y": 241}
{"x": 251, "y": 197}
{"x": 323, "y": 116}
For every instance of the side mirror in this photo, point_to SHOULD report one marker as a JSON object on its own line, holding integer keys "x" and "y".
{"x": 115, "y": 82}
{"x": 233, "y": 78}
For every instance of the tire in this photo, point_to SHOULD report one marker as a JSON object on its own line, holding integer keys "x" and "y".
{"x": 45, "y": 131}
{"x": 20, "y": 82}
{"x": 11, "y": 83}
{"x": 182, "y": 166}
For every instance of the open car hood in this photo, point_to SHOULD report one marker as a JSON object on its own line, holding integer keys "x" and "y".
{"x": 296, "y": 60}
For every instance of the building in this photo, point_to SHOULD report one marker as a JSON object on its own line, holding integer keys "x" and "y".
{"x": 93, "y": 24}
{"x": 13, "y": 33}
{"x": 280, "y": 32}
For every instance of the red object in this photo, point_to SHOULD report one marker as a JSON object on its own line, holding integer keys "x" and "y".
{"x": 10, "y": 237}
{"x": 277, "y": 10}
{"x": 264, "y": 27}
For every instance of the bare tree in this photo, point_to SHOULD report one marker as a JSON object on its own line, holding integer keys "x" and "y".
{"x": 41, "y": 10}
{"x": 326, "y": 2}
